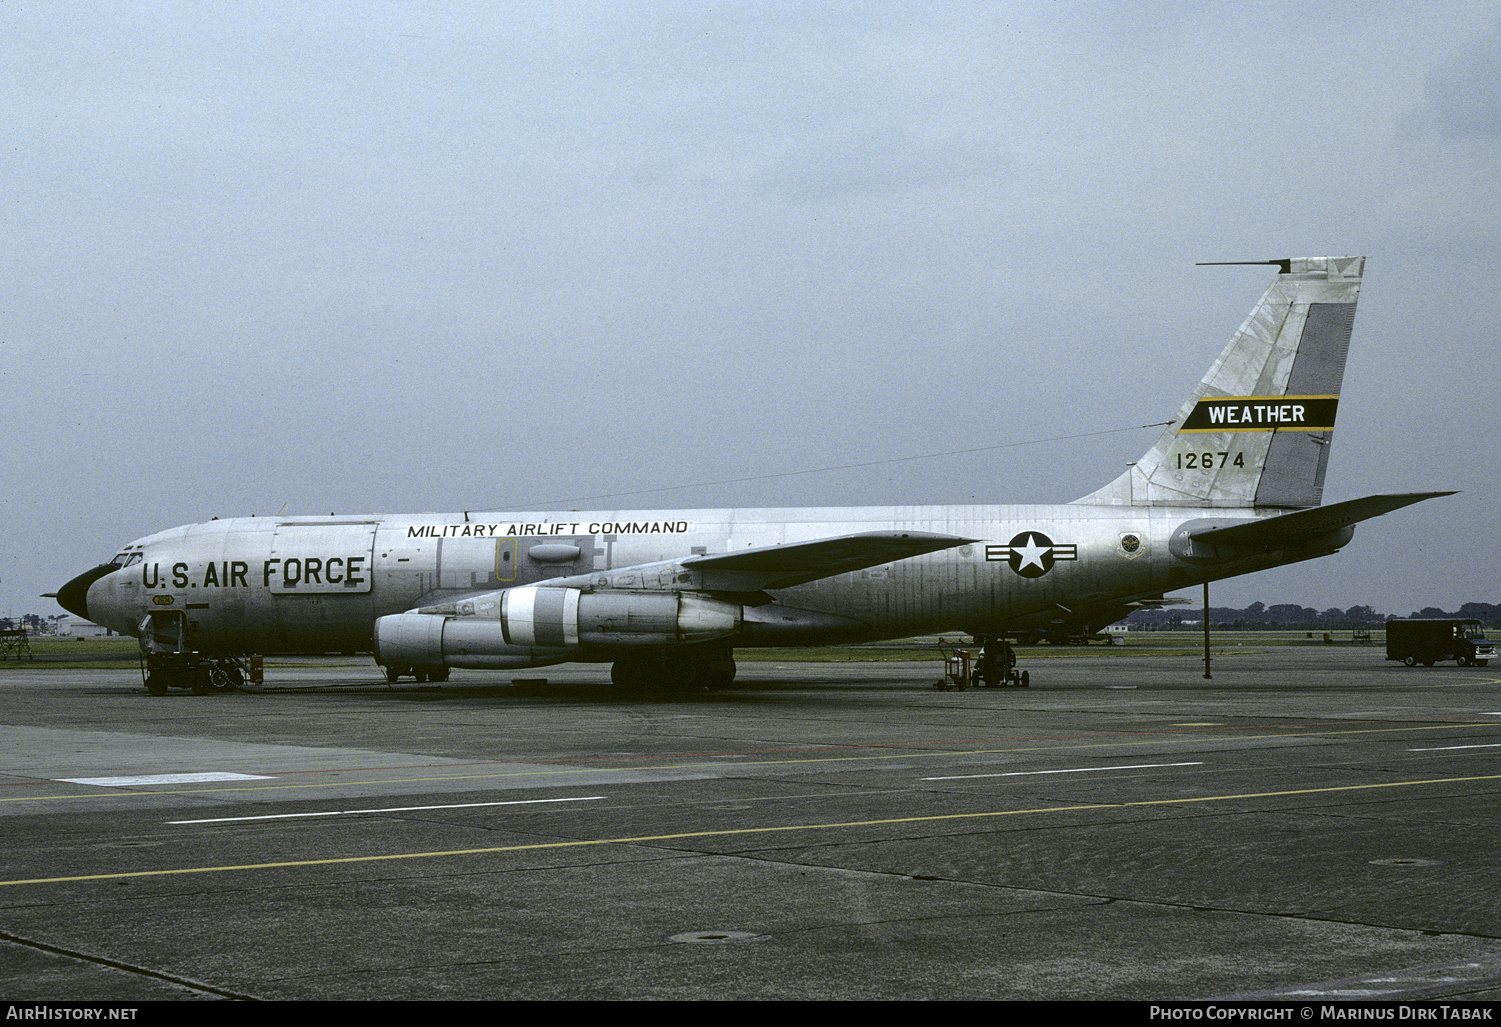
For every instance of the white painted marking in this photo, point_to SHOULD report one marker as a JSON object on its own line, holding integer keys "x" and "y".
{"x": 1446, "y": 748}
{"x": 1078, "y": 770}
{"x": 164, "y": 779}
{"x": 391, "y": 809}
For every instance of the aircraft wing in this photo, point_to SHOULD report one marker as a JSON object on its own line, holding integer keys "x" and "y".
{"x": 752, "y": 570}
{"x": 1292, "y": 528}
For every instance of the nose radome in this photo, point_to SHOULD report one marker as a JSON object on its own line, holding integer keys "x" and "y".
{"x": 74, "y": 596}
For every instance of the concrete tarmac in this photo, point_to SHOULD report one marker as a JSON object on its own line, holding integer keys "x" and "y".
{"x": 1313, "y": 823}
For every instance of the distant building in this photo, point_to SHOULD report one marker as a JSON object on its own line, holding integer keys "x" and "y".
{"x": 77, "y": 627}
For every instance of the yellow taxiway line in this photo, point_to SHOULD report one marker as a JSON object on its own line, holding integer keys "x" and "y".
{"x": 731, "y": 832}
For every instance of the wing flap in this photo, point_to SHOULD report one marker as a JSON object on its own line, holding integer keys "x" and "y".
{"x": 751, "y": 570}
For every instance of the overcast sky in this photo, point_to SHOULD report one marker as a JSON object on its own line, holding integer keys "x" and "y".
{"x": 350, "y": 257}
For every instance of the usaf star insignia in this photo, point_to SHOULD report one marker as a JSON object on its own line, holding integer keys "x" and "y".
{"x": 1032, "y": 554}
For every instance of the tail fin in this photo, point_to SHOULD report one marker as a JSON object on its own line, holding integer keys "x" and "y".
{"x": 1257, "y": 431}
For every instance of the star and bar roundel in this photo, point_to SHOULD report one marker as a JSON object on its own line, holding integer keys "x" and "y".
{"x": 1032, "y": 554}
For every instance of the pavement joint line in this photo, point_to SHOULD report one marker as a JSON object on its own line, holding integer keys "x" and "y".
{"x": 1069, "y": 770}
{"x": 671, "y": 767}
{"x": 115, "y": 964}
{"x": 388, "y": 809}
{"x": 731, "y": 832}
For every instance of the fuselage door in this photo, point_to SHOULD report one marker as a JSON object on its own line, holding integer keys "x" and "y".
{"x": 163, "y": 631}
{"x": 321, "y": 557}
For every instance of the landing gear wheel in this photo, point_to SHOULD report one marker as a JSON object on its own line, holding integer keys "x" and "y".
{"x": 686, "y": 672}
{"x": 689, "y": 669}
{"x": 630, "y": 673}
{"x": 719, "y": 670}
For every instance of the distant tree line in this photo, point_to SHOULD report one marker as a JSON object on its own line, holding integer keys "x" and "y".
{"x": 1290, "y": 616}
{"x": 30, "y": 621}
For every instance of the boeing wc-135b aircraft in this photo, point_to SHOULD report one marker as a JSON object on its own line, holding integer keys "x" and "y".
{"x": 1232, "y": 486}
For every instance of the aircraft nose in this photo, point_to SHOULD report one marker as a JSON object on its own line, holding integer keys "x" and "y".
{"x": 74, "y": 596}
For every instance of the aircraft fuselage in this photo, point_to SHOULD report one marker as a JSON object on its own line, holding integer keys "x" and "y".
{"x": 317, "y": 584}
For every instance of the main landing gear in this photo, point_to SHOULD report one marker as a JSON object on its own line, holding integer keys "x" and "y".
{"x": 687, "y": 669}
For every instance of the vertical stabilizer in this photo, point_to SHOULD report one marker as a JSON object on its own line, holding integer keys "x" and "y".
{"x": 1258, "y": 429}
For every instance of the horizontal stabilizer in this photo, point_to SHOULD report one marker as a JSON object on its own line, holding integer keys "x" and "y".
{"x": 751, "y": 570}
{"x": 1289, "y": 529}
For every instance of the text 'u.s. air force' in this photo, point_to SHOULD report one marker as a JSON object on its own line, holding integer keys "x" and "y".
{"x": 347, "y": 573}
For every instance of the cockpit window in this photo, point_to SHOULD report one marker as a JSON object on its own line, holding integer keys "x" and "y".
{"x": 128, "y": 559}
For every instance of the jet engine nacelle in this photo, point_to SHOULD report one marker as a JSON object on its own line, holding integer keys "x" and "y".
{"x": 541, "y": 623}
{"x": 553, "y": 616}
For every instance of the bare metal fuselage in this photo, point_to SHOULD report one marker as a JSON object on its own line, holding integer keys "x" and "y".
{"x": 287, "y": 585}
